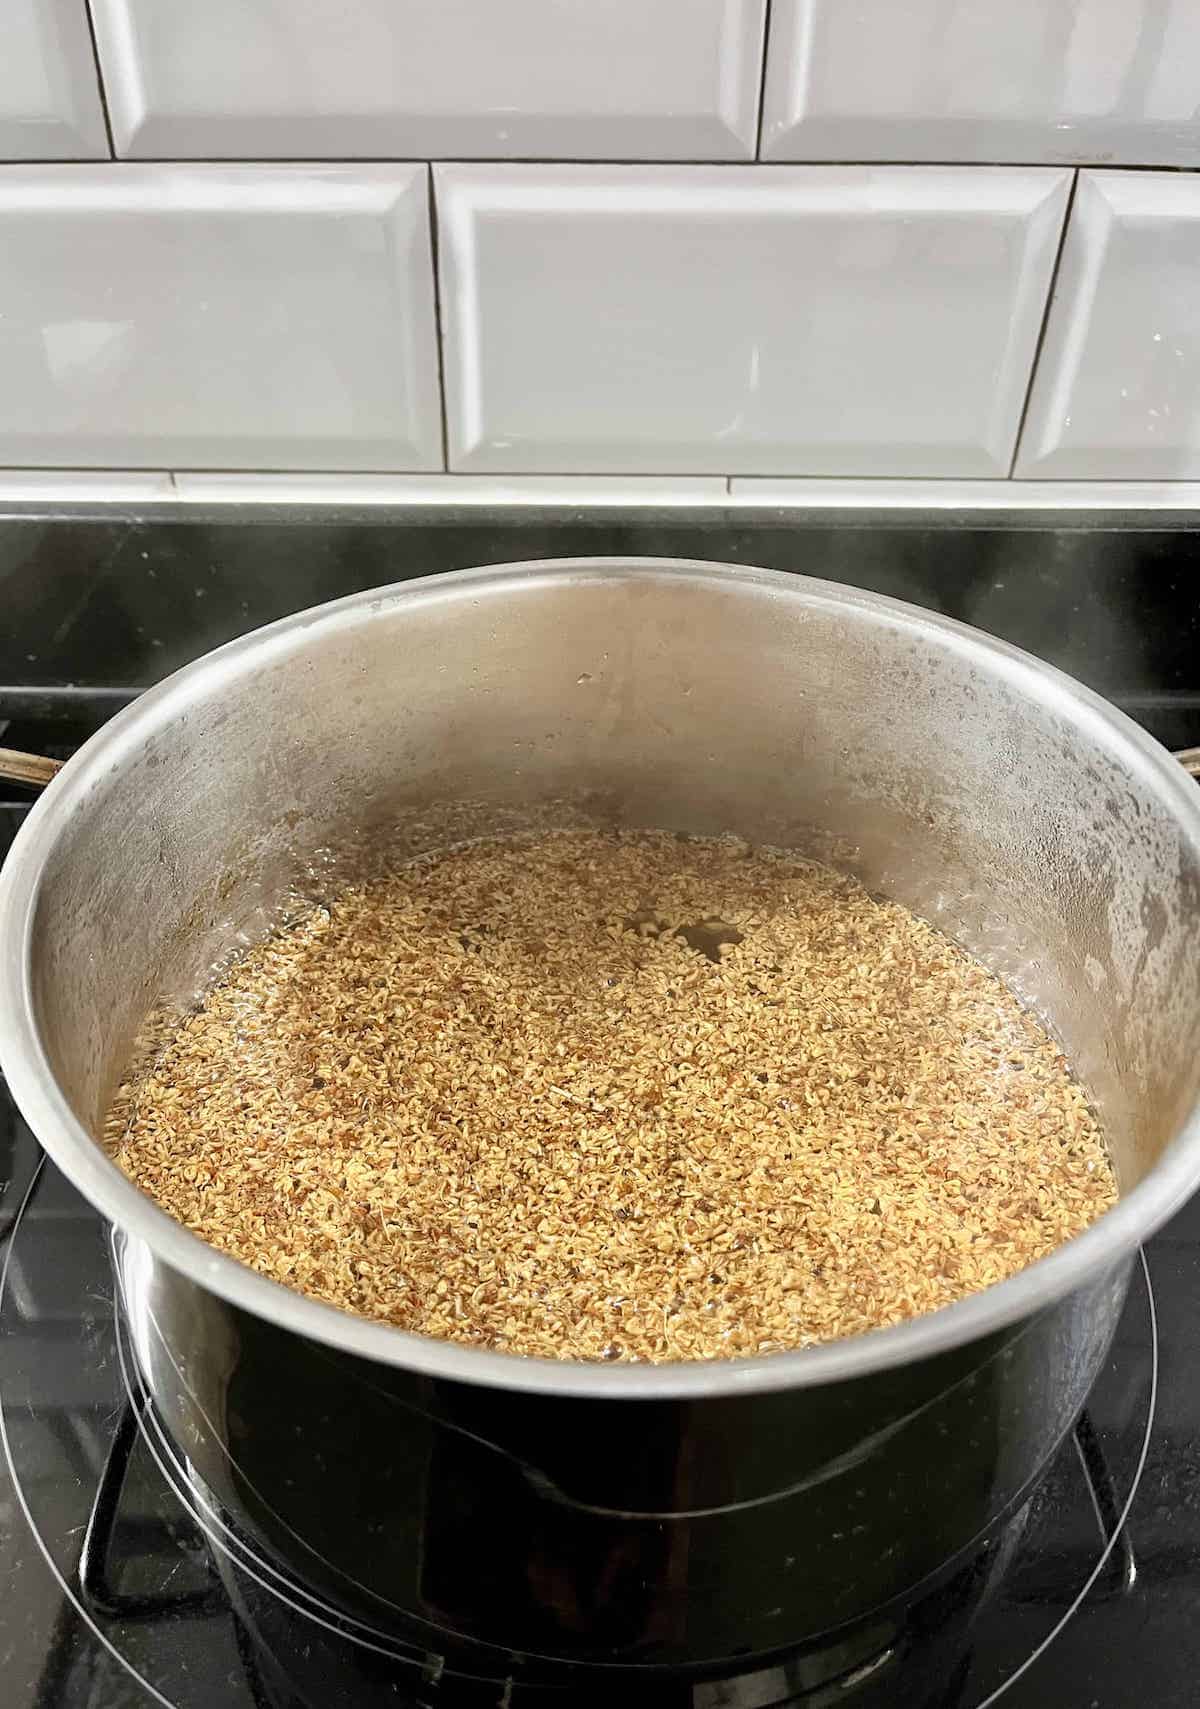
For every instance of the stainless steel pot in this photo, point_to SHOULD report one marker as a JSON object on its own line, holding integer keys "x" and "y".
{"x": 599, "y": 1515}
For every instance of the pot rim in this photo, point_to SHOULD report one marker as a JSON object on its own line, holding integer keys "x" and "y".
{"x": 81, "y": 1158}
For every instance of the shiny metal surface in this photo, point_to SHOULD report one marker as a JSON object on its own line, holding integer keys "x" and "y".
{"x": 991, "y": 794}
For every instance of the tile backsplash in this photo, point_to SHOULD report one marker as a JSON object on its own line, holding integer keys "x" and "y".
{"x": 538, "y": 239}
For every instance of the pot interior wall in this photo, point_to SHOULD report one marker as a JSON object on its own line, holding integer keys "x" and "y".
{"x": 963, "y": 781}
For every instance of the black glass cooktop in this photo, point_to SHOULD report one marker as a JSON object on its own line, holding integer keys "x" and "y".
{"x": 121, "y": 1580}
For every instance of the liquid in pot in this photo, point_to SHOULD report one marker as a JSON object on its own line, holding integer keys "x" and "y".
{"x": 617, "y": 1096}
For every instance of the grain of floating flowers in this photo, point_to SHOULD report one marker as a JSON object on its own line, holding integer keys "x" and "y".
{"x": 620, "y": 1097}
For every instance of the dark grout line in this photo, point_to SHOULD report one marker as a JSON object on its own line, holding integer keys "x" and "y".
{"x": 108, "y": 130}
{"x": 663, "y": 163}
{"x": 438, "y": 334}
{"x": 1041, "y": 338}
{"x": 762, "y": 82}
{"x": 1000, "y": 482}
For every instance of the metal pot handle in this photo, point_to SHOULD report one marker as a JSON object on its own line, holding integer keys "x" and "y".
{"x": 34, "y": 769}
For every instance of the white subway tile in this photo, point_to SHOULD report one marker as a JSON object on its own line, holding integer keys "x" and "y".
{"x": 49, "y": 88}
{"x": 581, "y": 79}
{"x": 217, "y": 317}
{"x": 1117, "y": 391}
{"x": 558, "y": 490}
{"x": 810, "y": 320}
{"x": 974, "y": 80}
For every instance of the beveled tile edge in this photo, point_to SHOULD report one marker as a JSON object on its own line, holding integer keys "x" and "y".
{"x": 650, "y": 490}
{"x": 1065, "y": 335}
{"x": 743, "y": 492}
{"x": 52, "y": 143}
{"x": 125, "y": 98}
{"x": 414, "y": 221}
{"x": 86, "y": 486}
{"x": 1032, "y": 291}
{"x": 739, "y": 107}
{"x": 782, "y": 89}
{"x": 77, "y": 131}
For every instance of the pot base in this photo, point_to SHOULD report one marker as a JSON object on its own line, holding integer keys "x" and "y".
{"x": 160, "y": 1563}
{"x": 920, "y": 1654}
{"x": 302, "y": 1652}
